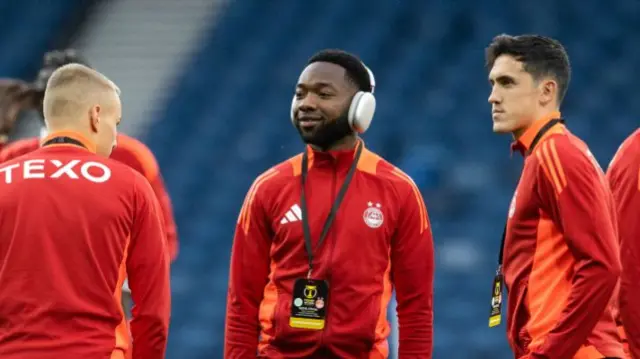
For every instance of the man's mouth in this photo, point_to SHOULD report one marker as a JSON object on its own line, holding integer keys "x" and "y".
{"x": 308, "y": 122}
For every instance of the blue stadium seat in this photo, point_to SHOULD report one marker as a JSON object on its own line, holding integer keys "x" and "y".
{"x": 28, "y": 29}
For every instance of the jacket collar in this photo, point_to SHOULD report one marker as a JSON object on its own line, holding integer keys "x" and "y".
{"x": 86, "y": 143}
{"x": 525, "y": 141}
{"x": 337, "y": 159}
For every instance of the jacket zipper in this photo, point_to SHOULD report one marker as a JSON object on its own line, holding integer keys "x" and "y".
{"x": 333, "y": 246}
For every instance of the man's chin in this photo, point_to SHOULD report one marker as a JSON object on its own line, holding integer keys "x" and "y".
{"x": 306, "y": 136}
{"x": 501, "y": 127}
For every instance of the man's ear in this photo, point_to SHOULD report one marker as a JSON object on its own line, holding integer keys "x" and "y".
{"x": 549, "y": 91}
{"x": 94, "y": 116}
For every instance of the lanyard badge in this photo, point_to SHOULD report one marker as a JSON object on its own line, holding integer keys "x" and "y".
{"x": 311, "y": 296}
{"x": 495, "y": 316}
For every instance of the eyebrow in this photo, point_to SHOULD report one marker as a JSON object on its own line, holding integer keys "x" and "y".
{"x": 501, "y": 77}
{"x": 317, "y": 85}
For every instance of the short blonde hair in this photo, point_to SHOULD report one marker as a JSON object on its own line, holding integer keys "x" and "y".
{"x": 73, "y": 88}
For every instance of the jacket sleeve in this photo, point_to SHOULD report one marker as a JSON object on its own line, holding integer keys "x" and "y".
{"x": 624, "y": 181}
{"x": 573, "y": 189}
{"x": 249, "y": 272}
{"x": 148, "y": 274}
{"x": 412, "y": 270}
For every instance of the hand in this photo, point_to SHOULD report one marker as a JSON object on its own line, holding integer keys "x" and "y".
{"x": 15, "y": 96}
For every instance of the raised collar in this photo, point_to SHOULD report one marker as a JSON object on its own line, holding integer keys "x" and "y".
{"x": 523, "y": 144}
{"x": 86, "y": 143}
{"x": 333, "y": 159}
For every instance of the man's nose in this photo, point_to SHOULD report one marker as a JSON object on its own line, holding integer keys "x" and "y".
{"x": 309, "y": 103}
{"x": 493, "y": 97}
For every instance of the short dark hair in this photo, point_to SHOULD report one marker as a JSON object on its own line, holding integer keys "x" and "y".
{"x": 541, "y": 56}
{"x": 356, "y": 71}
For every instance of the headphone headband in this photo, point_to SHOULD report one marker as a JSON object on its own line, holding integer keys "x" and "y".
{"x": 372, "y": 79}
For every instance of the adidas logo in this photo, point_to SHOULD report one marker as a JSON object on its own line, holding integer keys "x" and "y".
{"x": 293, "y": 215}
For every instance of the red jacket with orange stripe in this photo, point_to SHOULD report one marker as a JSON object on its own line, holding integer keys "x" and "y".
{"x": 132, "y": 153}
{"x": 361, "y": 260}
{"x": 561, "y": 255}
{"x": 72, "y": 224}
{"x": 624, "y": 178}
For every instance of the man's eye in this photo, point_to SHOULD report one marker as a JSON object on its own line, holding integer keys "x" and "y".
{"x": 506, "y": 82}
{"x": 325, "y": 95}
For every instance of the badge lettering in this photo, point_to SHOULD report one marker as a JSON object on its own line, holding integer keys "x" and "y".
{"x": 37, "y": 169}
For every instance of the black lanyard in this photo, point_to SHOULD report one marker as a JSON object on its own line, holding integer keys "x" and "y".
{"x": 334, "y": 208}
{"x": 535, "y": 141}
{"x": 63, "y": 140}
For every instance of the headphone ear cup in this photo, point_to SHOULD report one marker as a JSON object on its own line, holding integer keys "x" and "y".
{"x": 293, "y": 110}
{"x": 361, "y": 111}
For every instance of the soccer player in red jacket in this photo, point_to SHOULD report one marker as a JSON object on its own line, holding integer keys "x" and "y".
{"x": 624, "y": 178}
{"x": 16, "y": 95}
{"x": 302, "y": 286}
{"x": 132, "y": 153}
{"x": 561, "y": 258}
{"x": 72, "y": 223}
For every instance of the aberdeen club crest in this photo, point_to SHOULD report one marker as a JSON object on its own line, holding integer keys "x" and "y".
{"x": 373, "y": 216}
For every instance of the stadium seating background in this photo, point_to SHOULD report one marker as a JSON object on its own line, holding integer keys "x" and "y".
{"x": 226, "y": 120}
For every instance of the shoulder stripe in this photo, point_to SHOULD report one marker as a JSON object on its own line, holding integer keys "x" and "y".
{"x": 246, "y": 204}
{"x": 244, "y": 219}
{"x": 424, "y": 222}
{"x": 544, "y": 167}
{"x": 296, "y": 164}
{"x": 368, "y": 162}
{"x": 549, "y": 167}
{"x": 557, "y": 163}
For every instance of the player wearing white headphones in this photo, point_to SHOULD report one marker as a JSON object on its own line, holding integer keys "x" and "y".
{"x": 323, "y": 238}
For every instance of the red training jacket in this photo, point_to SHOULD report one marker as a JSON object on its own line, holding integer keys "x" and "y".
{"x": 624, "y": 178}
{"x": 72, "y": 224}
{"x": 561, "y": 255}
{"x": 380, "y": 239}
{"x": 132, "y": 153}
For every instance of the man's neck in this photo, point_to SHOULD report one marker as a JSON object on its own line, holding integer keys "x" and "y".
{"x": 346, "y": 143}
{"x": 519, "y": 132}
{"x": 540, "y": 115}
{"x": 62, "y": 129}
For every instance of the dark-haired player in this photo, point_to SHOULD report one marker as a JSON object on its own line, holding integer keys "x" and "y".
{"x": 561, "y": 258}
{"x": 304, "y": 286}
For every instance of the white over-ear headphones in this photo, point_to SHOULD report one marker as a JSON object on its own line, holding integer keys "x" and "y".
{"x": 361, "y": 110}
